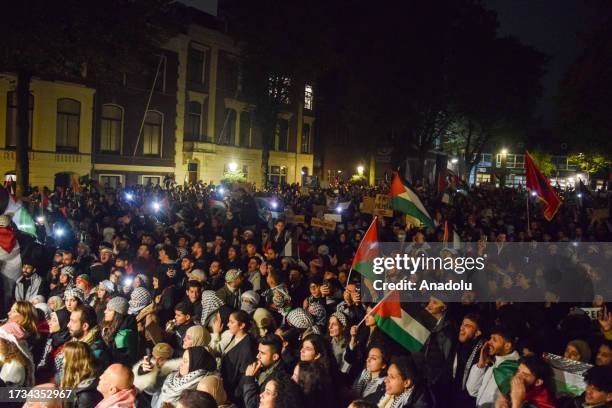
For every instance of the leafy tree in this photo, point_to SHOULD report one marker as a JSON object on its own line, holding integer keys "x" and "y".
{"x": 590, "y": 163}
{"x": 544, "y": 163}
{"x": 73, "y": 40}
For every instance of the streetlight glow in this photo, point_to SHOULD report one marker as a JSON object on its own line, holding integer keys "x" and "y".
{"x": 504, "y": 151}
{"x": 360, "y": 170}
{"x": 454, "y": 160}
{"x": 232, "y": 166}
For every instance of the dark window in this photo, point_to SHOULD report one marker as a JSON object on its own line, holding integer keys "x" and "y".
{"x": 11, "y": 119}
{"x": 160, "y": 83}
{"x": 245, "y": 129}
{"x": 277, "y": 175}
{"x": 111, "y": 128}
{"x": 282, "y": 135}
{"x": 228, "y": 133}
{"x": 110, "y": 181}
{"x": 306, "y": 138}
{"x": 193, "y": 123}
{"x": 68, "y": 123}
{"x": 196, "y": 63}
{"x": 152, "y": 133}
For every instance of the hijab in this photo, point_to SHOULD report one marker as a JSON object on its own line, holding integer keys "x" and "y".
{"x": 199, "y": 335}
{"x": 201, "y": 359}
{"x": 63, "y": 335}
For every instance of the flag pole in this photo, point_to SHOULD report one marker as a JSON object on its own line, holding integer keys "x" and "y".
{"x": 375, "y": 306}
{"x": 527, "y": 201}
{"x": 348, "y": 278}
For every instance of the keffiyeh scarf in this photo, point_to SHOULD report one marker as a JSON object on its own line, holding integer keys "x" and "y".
{"x": 210, "y": 304}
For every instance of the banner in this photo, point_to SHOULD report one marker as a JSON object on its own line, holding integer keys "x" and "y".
{"x": 294, "y": 219}
{"x": 367, "y": 205}
{"x": 333, "y": 217}
{"x": 325, "y": 224}
{"x": 567, "y": 375}
{"x": 595, "y": 313}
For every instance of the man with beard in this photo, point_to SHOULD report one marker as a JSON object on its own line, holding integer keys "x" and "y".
{"x": 496, "y": 366}
{"x": 101, "y": 270}
{"x": 466, "y": 355}
{"x": 83, "y": 326}
{"x": 29, "y": 284}
{"x": 531, "y": 386}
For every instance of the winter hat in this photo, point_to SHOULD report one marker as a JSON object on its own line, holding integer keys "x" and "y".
{"x": 300, "y": 319}
{"x": 118, "y": 304}
{"x": 250, "y": 296}
{"x": 341, "y": 318}
{"x": 37, "y": 299}
{"x": 263, "y": 319}
{"x": 108, "y": 286}
{"x": 210, "y": 304}
{"x": 68, "y": 270}
{"x": 583, "y": 348}
{"x": 139, "y": 299}
{"x": 199, "y": 335}
{"x": 232, "y": 275}
{"x": 144, "y": 279}
{"x": 197, "y": 274}
{"x": 162, "y": 350}
{"x": 74, "y": 293}
{"x": 45, "y": 309}
{"x": 59, "y": 303}
{"x": 84, "y": 279}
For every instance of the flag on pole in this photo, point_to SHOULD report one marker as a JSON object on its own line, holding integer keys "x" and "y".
{"x": 538, "y": 183}
{"x": 363, "y": 262}
{"x": 405, "y": 200}
{"x": 568, "y": 375}
{"x": 402, "y": 325}
{"x": 24, "y": 221}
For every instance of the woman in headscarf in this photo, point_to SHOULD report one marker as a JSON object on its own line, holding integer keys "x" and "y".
{"x": 319, "y": 315}
{"x": 197, "y": 363}
{"x": 165, "y": 295}
{"x": 52, "y": 359}
{"x": 210, "y": 305}
{"x": 196, "y": 336}
{"x": 213, "y": 384}
{"x": 303, "y": 321}
{"x": 139, "y": 299}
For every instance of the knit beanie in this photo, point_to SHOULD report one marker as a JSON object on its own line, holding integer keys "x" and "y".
{"x": 118, "y": 304}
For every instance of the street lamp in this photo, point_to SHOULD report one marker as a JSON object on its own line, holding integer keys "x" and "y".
{"x": 360, "y": 170}
{"x": 454, "y": 160}
{"x": 232, "y": 166}
{"x": 504, "y": 151}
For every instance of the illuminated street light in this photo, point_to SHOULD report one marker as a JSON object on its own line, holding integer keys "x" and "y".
{"x": 156, "y": 206}
{"x": 360, "y": 170}
{"x": 504, "y": 151}
{"x": 454, "y": 160}
{"x": 233, "y": 166}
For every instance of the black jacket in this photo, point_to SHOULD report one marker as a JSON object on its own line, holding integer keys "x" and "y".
{"x": 467, "y": 355}
{"x": 233, "y": 366}
{"x": 86, "y": 394}
{"x": 420, "y": 397}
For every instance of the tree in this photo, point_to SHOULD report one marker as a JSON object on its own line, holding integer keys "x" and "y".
{"x": 90, "y": 42}
{"x": 590, "y": 163}
{"x": 544, "y": 162}
{"x": 283, "y": 44}
{"x": 585, "y": 94}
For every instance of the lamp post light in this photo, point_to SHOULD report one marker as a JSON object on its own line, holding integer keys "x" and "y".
{"x": 232, "y": 166}
{"x": 360, "y": 170}
{"x": 504, "y": 157}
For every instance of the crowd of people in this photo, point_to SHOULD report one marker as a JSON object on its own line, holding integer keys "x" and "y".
{"x": 187, "y": 297}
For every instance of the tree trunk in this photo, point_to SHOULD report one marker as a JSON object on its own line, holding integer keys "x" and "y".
{"x": 22, "y": 165}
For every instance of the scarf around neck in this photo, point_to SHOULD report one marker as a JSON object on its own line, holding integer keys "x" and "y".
{"x": 122, "y": 399}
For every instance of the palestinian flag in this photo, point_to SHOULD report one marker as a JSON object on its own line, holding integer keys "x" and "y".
{"x": 503, "y": 374}
{"x": 407, "y": 328}
{"x": 568, "y": 375}
{"x": 403, "y": 199}
{"x": 363, "y": 262}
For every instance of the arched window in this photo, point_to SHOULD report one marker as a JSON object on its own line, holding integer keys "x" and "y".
{"x": 68, "y": 123}
{"x": 152, "y": 133}
{"x": 111, "y": 128}
{"x": 193, "y": 122}
{"x": 11, "y": 119}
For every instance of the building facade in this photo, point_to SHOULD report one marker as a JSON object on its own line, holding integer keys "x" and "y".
{"x": 194, "y": 124}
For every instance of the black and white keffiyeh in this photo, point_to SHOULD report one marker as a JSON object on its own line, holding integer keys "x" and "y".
{"x": 210, "y": 304}
{"x": 139, "y": 299}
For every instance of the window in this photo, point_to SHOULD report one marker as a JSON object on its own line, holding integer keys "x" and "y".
{"x": 11, "y": 119}
{"x": 245, "y": 129}
{"x": 281, "y": 135}
{"x": 308, "y": 97}
{"x": 485, "y": 160}
{"x": 68, "y": 123}
{"x": 151, "y": 180}
{"x": 152, "y": 133}
{"x": 111, "y": 128}
{"x": 193, "y": 121}
{"x": 277, "y": 175}
{"x": 110, "y": 180}
{"x": 306, "y": 138}
{"x": 514, "y": 180}
{"x": 196, "y": 63}
{"x": 482, "y": 178}
{"x": 229, "y": 73}
{"x": 228, "y": 133}
{"x": 278, "y": 88}
{"x": 160, "y": 84}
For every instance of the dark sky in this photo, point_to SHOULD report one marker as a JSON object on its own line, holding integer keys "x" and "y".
{"x": 551, "y": 26}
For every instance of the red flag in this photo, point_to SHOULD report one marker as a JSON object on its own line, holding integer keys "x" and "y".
{"x": 74, "y": 183}
{"x": 445, "y": 237}
{"x": 537, "y": 182}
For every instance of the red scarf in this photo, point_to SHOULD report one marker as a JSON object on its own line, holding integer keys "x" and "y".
{"x": 8, "y": 239}
{"x": 540, "y": 397}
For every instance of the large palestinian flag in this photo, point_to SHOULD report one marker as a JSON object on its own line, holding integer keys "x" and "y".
{"x": 403, "y": 199}
{"x": 363, "y": 262}
{"x": 401, "y": 322}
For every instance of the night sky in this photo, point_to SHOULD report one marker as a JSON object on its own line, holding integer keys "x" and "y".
{"x": 551, "y": 26}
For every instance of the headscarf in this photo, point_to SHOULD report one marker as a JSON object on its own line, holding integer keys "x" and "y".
{"x": 317, "y": 311}
{"x": 63, "y": 335}
{"x": 201, "y": 359}
{"x": 341, "y": 318}
{"x": 213, "y": 384}
{"x": 210, "y": 304}
{"x": 261, "y": 316}
{"x": 252, "y": 301}
{"x": 301, "y": 319}
{"x": 139, "y": 299}
{"x": 199, "y": 335}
